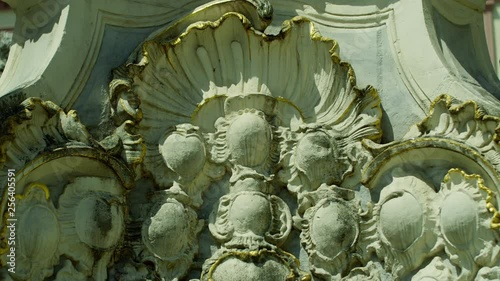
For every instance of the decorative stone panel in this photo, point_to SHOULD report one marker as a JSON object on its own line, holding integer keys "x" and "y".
{"x": 230, "y": 152}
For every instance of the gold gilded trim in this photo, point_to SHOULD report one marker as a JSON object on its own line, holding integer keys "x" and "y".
{"x": 490, "y": 206}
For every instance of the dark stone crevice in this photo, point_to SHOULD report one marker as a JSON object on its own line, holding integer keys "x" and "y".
{"x": 5, "y": 43}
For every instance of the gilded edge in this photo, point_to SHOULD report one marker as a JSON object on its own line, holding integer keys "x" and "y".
{"x": 490, "y": 206}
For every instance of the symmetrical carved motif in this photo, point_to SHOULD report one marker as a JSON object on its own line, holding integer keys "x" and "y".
{"x": 464, "y": 123}
{"x": 38, "y": 254}
{"x": 255, "y": 157}
{"x": 330, "y": 230}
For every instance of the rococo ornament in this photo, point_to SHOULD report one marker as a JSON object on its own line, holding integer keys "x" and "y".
{"x": 237, "y": 154}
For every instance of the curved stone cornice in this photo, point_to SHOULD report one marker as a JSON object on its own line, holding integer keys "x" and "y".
{"x": 231, "y": 150}
{"x": 75, "y": 30}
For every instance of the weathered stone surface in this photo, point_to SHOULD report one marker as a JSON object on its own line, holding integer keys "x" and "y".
{"x": 5, "y": 42}
{"x": 214, "y": 145}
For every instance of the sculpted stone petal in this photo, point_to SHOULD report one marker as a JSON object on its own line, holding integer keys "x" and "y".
{"x": 488, "y": 274}
{"x": 466, "y": 222}
{"x": 316, "y": 155}
{"x": 36, "y": 254}
{"x": 169, "y": 234}
{"x": 185, "y": 155}
{"x": 43, "y": 221}
{"x": 401, "y": 221}
{"x": 251, "y": 219}
{"x": 250, "y": 213}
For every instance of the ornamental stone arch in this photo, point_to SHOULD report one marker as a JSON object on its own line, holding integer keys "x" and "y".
{"x": 231, "y": 149}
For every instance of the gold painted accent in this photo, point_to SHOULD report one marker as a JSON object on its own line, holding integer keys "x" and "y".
{"x": 307, "y": 277}
{"x": 143, "y": 154}
{"x": 243, "y": 255}
{"x": 294, "y": 258}
{"x": 495, "y": 221}
{"x": 198, "y": 26}
{"x": 3, "y": 235}
{"x": 130, "y": 110}
{"x": 289, "y": 102}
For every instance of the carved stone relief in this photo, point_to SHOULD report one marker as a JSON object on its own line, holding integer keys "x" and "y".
{"x": 241, "y": 155}
{"x": 5, "y": 42}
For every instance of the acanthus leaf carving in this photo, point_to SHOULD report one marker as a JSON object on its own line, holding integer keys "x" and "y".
{"x": 92, "y": 218}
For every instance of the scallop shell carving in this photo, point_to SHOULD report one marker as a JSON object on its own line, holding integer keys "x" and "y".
{"x": 191, "y": 79}
{"x": 172, "y": 89}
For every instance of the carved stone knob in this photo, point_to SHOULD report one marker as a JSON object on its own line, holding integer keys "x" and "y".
{"x": 99, "y": 223}
{"x": 184, "y": 153}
